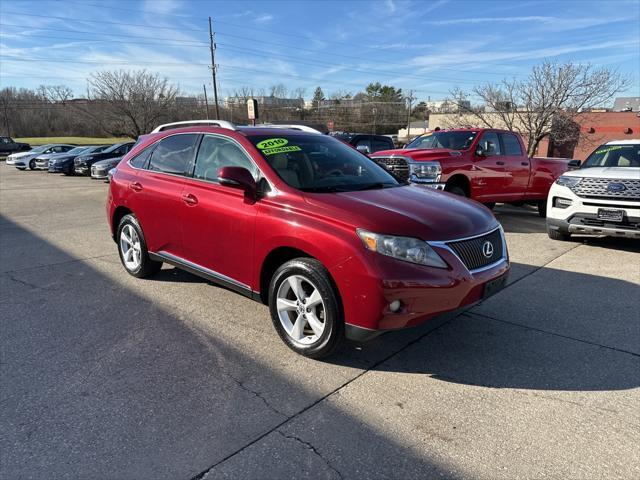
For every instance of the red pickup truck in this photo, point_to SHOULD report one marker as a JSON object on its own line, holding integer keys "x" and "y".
{"x": 487, "y": 165}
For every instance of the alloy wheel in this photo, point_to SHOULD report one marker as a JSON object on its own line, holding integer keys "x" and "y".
{"x": 301, "y": 309}
{"x": 130, "y": 247}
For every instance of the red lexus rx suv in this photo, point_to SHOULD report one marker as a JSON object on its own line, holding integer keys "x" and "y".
{"x": 333, "y": 243}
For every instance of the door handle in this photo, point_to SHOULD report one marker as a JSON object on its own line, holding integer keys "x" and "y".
{"x": 524, "y": 164}
{"x": 135, "y": 186}
{"x": 190, "y": 199}
{"x": 499, "y": 162}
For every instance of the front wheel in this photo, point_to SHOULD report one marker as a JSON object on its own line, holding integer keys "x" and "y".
{"x": 132, "y": 248}
{"x": 32, "y": 165}
{"x": 542, "y": 208}
{"x": 305, "y": 308}
{"x": 555, "y": 234}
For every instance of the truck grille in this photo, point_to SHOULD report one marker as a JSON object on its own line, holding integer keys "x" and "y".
{"x": 471, "y": 251}
{"x": 397, "y": 166}
{"x": 599, "y": 188}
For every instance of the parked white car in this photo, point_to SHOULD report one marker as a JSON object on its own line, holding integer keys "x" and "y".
{"x": 602, "y": 197}
{"x": 24, "y": 160}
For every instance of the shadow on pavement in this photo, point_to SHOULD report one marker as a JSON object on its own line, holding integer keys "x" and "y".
{"x": 99, "y": 381}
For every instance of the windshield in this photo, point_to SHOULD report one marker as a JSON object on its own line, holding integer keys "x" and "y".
{"x": 614, "y": 156}
{"x": 40, "y": 149}
{"x": 450, "y": 140}
{"x": 319, "y": 163}
{"x": 77, "y": 150}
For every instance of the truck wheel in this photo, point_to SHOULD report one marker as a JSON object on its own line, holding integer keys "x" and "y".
{"x": 558, "y": 235}
{"x": 542, "y": 208}
{"x": 456, "y": 190}
{"x": 305, "y": 308}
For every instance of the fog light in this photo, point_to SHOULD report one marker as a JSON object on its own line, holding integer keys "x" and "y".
{"x": 560, "y": 202}
{"x": 395, "y": 306}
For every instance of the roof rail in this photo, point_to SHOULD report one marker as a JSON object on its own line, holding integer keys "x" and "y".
{"x": 302, "y": 128}
{"x": 193, "y": 123}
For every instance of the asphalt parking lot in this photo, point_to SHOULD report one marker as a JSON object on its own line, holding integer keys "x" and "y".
{"x": 107, "y": 376}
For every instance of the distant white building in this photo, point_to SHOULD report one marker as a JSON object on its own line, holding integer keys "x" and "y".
{"x": 626, "y": 104}
{"x": 446, "y": 106}
{"x": 415, "y": 129}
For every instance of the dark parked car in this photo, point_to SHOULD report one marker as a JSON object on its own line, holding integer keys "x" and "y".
{"x": 8, "y": 146}
{"x": 366, "y": 143}
{"x": 100, "y": 170}
{"x": 82, "y": 164}
{"x": 63, "y": 163}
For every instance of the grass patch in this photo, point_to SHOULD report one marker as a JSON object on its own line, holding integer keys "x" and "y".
{"x": 35, "y": 141}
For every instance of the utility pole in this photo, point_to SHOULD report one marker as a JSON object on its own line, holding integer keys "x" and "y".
{"x": 206, "y": 102}
{"x": 410, "y": 99}
{"x": 212, "y": 47}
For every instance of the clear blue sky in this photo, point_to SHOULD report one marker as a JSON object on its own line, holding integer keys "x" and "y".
{"x": 427, "y": 46}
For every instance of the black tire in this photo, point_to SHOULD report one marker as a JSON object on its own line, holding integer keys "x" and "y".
{"x": 555, "y": 234}
{"x": 490, "y": 205}
{"x": 333, "y": 333}
{"x": 70, "y": 171}
{"x": 147, "y": 266}
{"x": 32, "y": 164}
{"x": 542, "y": 209}
{"x": 456, "y": 190}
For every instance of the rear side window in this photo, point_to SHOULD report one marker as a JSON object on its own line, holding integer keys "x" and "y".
{"x": 174, "y": 154}
{"x": 381, "y": 144}
{"x": 140, "y": 160}
{"x": 511, "y": 144}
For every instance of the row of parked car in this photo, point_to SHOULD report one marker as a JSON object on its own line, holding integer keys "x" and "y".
{"x": 93, "y": 160}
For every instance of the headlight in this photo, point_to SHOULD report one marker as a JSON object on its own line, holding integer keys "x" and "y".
{"x": 567, "y": 181}
{"x": 403, "y": 248}
{"x": 429, "y": 171}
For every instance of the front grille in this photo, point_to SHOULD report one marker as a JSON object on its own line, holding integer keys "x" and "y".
{"x": 471, "y": 251}
{"x": 395, "y": 165}
{"x": 599, "y": 188}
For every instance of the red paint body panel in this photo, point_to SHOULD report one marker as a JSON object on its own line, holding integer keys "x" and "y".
{"x": 518, "y": 178}
{"x": 232, "y": 235}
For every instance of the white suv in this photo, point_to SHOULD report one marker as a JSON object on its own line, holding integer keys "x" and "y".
{"x": 602, "y": 197}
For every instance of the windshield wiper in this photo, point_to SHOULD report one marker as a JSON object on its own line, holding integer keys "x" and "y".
{"x": 377, "y": 186}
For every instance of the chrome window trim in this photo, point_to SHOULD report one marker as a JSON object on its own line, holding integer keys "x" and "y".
{"x": 503, "y": 259}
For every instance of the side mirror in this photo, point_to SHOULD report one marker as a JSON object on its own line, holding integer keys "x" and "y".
{"x": 480, "y": 151}
{"x": 363, "y": 149}
{"x": 238, "y": 177}
{"x": 574, "y": 164}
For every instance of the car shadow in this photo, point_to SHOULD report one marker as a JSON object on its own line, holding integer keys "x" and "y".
{"x": 98, "y": 376}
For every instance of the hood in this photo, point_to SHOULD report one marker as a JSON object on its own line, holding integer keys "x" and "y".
{"x": 21, "y": 154}
{"x": 47, "y": 156}
{"x": 420, "y": 154}
{"x": 630, "y": 173}
{"x": 411, "y": 211}
{"x": 108, "y": 161}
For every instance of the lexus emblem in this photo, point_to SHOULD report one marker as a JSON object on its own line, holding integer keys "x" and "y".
{"x": 487, "y": 249}
{"x": 616, "y": 187}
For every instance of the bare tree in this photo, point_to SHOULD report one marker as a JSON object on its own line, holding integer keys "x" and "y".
{"x": 546, "y": 102}
{"x": 132, "y": 102}
{"x": 55, "y": 93}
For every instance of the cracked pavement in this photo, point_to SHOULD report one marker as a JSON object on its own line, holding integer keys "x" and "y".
{"x": 106, "y": 376}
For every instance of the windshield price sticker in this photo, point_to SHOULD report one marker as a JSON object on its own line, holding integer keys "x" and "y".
{"x": 609, "y": 149}
{"x": 271, "y": 146}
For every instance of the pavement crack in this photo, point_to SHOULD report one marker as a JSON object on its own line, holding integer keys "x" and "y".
{"x": 25, "y": 283}
{"x": 595, "y": 344}
{"x": 313, "y": 449}
{"x": 255, "y": 393}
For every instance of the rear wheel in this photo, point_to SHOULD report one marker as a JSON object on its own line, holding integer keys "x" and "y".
{"x": 305, "y": 309}
{"x": 133, "y": 249}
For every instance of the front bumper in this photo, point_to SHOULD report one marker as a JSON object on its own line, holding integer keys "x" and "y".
{"x": 581, "y": 217}
{"x": 436, "y": 186}
{"x": 100, "y": 174}
{"x": 423, "y": 292}
{"x": 82, "y": 169}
